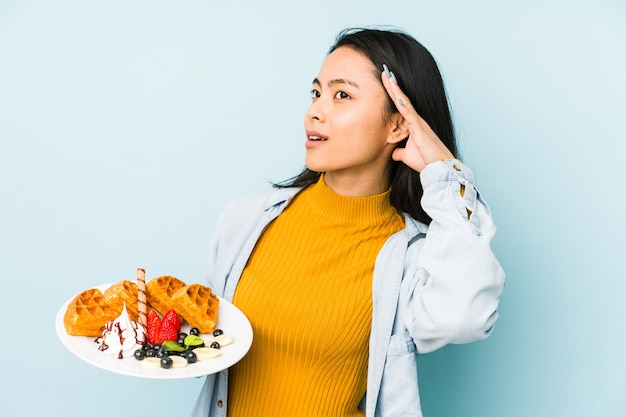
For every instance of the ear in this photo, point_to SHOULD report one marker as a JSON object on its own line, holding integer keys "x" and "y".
{"x": 398, "y": 129}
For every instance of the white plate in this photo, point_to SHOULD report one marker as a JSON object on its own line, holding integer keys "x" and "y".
{"x": 230, "y": 319}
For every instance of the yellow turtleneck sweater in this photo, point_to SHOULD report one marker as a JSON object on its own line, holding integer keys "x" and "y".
{"x": 307, "y": 290}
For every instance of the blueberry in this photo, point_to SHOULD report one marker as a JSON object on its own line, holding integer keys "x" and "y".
{"x": 190, "y": 356}
{"x": 140, "y": 354}
{"x": 166, "y": 362}
{"x": 194, "y": 331}
{"x": 215, "y": 345}
{"x": 218, "y": 332}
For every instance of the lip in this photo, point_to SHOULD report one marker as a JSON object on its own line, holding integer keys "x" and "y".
{"x": 312, "y": 142}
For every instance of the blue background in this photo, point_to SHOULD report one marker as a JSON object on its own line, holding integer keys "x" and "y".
{"x": 126, "y": 126}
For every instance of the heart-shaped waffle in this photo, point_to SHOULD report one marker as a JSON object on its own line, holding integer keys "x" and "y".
{"x": 159, "y": 292}
{"x": 120, "y": 293}
{"x": 198, "y": 306}
{"x": 87, "y": 314}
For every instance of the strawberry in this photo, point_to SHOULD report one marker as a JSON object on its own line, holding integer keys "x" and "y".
{"x": 170, "y": 326}
{"x": 153, "y": 326}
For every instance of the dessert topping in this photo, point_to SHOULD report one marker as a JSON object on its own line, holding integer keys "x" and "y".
{"x": 121, "y": 335}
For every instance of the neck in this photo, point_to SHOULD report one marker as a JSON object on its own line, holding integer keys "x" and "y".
{"x": 354, "y": 185}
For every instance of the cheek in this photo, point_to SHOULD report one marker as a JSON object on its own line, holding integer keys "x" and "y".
{"x": 372, "y": 129}
{"x": 362, "y": 122}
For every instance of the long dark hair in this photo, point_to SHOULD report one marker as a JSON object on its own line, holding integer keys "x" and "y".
{"x": 419, "y": 78}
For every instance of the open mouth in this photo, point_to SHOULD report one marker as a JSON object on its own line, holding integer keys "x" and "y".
{"x": 316, "y": 138}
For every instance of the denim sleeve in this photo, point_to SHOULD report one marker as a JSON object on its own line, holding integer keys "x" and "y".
{"x": 455, "y": 289}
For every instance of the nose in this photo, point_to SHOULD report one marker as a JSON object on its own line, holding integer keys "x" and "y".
{"x": 316, "y": 110}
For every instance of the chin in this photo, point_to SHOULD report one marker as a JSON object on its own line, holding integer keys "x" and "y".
{"x": 316, "y": 166}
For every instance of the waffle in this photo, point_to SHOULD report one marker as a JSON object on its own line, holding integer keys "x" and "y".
{"x": 87, "y": 314}
{"x": 159, "y": 292}
{"x": 198, "y": 306}
{"x": 123, "y": 292}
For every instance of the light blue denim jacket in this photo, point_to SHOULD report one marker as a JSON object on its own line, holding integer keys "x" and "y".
{"x": 432, "y": 285}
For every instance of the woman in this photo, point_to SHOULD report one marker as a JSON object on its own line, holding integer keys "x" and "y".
{"x": 379, "y": 250}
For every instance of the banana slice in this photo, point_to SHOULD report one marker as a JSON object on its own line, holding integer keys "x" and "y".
{"x": 205, "y": 353}
{"x": 151, "y": 362}
{"x": 178, "y": 362}
{"x": 223, "y": 339}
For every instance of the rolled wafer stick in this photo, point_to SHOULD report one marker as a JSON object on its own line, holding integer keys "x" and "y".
{"x": 141, "y": 298}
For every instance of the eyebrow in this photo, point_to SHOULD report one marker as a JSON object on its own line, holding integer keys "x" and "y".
{"x": 336, "y": 81}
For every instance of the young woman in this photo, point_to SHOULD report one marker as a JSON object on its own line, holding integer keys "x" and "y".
{"x": 379, "y": 250}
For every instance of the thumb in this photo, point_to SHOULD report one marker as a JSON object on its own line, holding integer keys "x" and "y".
{"x": 398, "y": 154}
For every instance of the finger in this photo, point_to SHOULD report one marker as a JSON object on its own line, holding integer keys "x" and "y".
{"x": 398, "y": 154}
{"x": 402, "y": 102}
{"x": 387, "y": 81}
{"x": 391, "y": 86}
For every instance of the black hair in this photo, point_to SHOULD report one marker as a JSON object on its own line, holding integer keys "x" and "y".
{"x": 419, "y": 78}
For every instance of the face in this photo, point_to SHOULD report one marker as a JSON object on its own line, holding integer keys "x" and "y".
{"x": 348, "y": 136}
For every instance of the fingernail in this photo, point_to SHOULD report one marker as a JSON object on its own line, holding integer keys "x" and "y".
{"x": 386, "y": 69}
{"x": 401, "y": 102}
{"x": 393, "y": 77}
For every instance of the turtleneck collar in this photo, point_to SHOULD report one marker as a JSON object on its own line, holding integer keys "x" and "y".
{"x": 374, "y": 209}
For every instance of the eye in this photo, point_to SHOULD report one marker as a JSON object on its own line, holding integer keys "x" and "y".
{"x": 342, "y": 95}
{"x": 315, "y": 94}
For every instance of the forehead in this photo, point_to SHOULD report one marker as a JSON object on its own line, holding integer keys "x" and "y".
{"x": 348, "y": 63}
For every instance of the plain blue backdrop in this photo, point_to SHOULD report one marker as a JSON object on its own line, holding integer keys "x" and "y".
{"x": 126, "y": 126}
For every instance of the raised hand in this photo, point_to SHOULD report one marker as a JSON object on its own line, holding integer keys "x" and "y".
{"x": 423, "y": 145}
